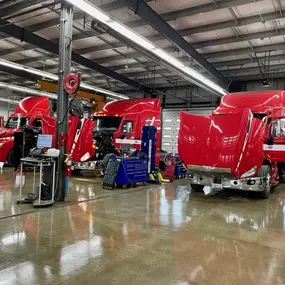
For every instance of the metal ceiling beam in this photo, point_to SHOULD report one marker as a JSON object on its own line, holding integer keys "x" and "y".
{"x": 204, "y": 8}
{"x": 230, "y": 74}
{"x": 125, "y": 71}
{"x": 238, "y": 62}
{"x": 149, "y": 16}
{"x": 233, "y": 72}
{"x": 49, "y": 23}
{"x": 56, "y": 21}
{"x": 116, "y": 45}
{"x": 134, "y": 46}
{"x": 12, "y": 9}
{"x": 24, "y": 35}
{"x": 240, "y": 38}
{"x": 175, "y": 14}
{"x": 241, "y": 51}
{"x": 210, "y": 55}
{"x": 223, "y": 25}
{"x": 248, "y": 60}
{"x": 165, "y": 71}
{"x": 151, "y": 64}
{"x": 254, "y": 77}
{"x": 200, "y": 29}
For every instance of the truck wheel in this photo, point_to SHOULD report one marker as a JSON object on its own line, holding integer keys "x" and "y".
{"x": 265, "y": 172}
{"x": 197, "y": 188}
{"x": 106, "y": 160}
{"x": 11, "y": 158}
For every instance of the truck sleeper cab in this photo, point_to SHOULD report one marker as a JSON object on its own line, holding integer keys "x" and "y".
{"x": 239, "y": 146}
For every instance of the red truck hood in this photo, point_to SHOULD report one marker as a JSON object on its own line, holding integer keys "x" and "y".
{"x": 231, "y": 142}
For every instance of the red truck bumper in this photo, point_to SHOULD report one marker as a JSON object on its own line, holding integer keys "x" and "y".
{"x": 4, "y": 154}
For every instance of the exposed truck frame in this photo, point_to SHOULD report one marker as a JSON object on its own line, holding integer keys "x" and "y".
{"x": 239, "y": 146}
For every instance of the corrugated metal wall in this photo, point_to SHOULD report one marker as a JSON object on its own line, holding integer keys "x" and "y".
{"x": 170, "y": 127}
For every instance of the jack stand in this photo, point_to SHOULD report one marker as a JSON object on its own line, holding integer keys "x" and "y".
{"x": 156, "y": 178}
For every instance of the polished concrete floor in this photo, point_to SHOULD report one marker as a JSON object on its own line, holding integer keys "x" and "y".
{"x": 149, "y": 235}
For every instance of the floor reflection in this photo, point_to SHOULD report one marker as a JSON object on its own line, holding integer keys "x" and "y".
{"x": 159, "y": 235}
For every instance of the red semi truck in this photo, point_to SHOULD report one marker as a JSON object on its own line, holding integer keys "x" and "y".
{"x": 239, "y": 145}
{"x": 118, "y": 126}
{"x": 36, "y": 113}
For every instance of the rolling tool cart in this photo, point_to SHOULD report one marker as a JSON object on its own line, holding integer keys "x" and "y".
{"x": 129, "y": 171}
{"x": 43, "y": 192}
{"x": 125, "y": 172}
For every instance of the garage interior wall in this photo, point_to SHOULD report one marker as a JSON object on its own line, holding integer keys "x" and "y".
{"x": 170, "y": 126}
{"x": 5, "y": 108}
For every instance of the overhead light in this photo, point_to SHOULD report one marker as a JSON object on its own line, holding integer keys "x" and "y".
{"x": 98, "y": 14}
{"x": 27, "y": 90}
{"x": 54, "y": 77}
{"x": 30, "y": 70}
{"x": 103, "y": 91}
{"x": 8, "y": 100}
{"x": 111, "y": 99}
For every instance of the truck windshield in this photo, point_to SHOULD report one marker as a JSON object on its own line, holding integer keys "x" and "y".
{"x": 107, "y": 123}
{"x": 16, "y": 122}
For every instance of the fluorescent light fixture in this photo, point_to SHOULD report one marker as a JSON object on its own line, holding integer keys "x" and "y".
{"x": 8, "y": 100}
{"x": 111, "y": 99}
{"x": 103, "y": 91}
{"x": 28, "y": 69}
{"x": 54, "y": 77}
{"x": 98, "y": 14}
{"x": 27, "y": 90}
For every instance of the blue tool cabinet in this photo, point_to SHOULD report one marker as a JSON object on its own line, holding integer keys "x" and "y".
{"x": 132, "y": 170}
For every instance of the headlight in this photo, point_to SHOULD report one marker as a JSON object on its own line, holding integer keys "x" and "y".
{"x": 249, "y": 173}
{"x": 1, "y": 144}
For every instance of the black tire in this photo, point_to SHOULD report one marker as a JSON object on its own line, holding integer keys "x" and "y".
{"x": 11, "y": 158}
{"x": 196, "y": 187}
{"x": 76, "y": 172}
{"x": 265, "y": 172}
{"x": 106, "y": 160}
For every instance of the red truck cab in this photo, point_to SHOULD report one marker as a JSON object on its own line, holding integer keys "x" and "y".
{"x": 31, "y": 111}
{"x": 36, "y": 113}
{"x": 239, "y": 145}
{"x": 122, "y": 121}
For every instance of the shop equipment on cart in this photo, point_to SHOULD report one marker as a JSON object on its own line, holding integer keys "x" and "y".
{"x": 174, "y": 167}
{"x": 43, "y": 192}
{"x": 131, "y": 170}
{"x": 127, "y": 172}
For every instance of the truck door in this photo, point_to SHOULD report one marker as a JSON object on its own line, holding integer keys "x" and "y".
{"x": 128, "y": 139}
{"x": 274, "y": 148}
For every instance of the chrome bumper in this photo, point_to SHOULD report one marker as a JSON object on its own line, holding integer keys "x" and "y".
{"x": 90, "y": 165}
{"x": 255, "y": 184}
